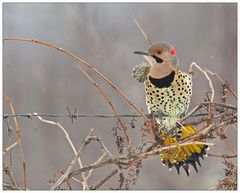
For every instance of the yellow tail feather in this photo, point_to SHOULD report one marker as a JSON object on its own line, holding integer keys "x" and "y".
{"x": 182, "y": 155}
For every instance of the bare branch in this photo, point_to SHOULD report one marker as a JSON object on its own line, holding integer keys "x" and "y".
{"x": 224, "y": 156}
{"x": 71, "y": 165}
{"x": 229, "y": 146}
{"x": 66, "y": 136}
{"x": 99, "y": 184}
{"x": 9, "y": 147}
{"x": 68, "y": 183}
{"x": 19, "y": 140}
{"x": 221, "y": 80}
{"x": 207, "y": 77}
{"x": 7, "y": 186}
{"x": 98, "y": 161}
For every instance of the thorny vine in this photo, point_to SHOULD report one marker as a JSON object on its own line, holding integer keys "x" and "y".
{"x": 212, "y": 118}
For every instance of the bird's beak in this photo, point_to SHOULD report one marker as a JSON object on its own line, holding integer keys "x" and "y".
{"x": 142, "y": 53}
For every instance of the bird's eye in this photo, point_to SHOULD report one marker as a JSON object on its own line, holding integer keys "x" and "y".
{"x": 159, "y": 52}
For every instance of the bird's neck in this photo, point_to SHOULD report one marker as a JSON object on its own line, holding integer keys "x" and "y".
{"x": 160, "y": 71}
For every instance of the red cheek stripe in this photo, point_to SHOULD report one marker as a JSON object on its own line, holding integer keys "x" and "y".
{"x": 173, "y": 52}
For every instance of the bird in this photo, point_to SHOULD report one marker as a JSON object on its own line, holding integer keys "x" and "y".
{"x": 168, "y": 94}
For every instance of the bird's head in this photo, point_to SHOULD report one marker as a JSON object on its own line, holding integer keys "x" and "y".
{"x": 161, "y": 56}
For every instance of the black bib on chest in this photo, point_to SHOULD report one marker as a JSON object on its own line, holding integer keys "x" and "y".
{"x": 162, "y": 82}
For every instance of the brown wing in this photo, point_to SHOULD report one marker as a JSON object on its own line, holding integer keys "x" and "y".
{"x": 140, "y": 72}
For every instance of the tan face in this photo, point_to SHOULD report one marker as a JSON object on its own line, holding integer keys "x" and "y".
{"x": 158, "y": 57}
{"x": 157, "y": 52}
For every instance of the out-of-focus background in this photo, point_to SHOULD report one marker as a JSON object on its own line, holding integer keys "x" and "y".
{"x": 42, "y": 80}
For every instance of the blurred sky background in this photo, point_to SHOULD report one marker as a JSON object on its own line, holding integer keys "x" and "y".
{"x": 43, "y": 80}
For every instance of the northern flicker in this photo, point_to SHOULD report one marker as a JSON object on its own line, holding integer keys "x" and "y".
{"x": 168, "y": 93}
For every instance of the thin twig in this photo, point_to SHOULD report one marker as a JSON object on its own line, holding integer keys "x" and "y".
{"x": 229, "y": 146}
{"x": 19, "y": 140}
{"x": 192, "y": 112}
{"x": 221, "y": 80}
{"x": 67, "y": 181}
{"x": 76, "y": 180}
{"x": 207, "y": 77}
{"x": 201, "y": 105}
{"x": 99, "y": 184}
{"x": 222, "y": 156}
{"x": 143, "y": 33}
{"x": 197, "y": 133}
{"x": 98, "y": 165}
{"x": 9, "y": 147}
{"x": 71, "y": 165}
{"x": 66, "y": 136}
{"x": 98, "y": 160}
{"x": 7, "y": 186}
{"x": 210, "y": 85}
{"x": 103, "y": 146}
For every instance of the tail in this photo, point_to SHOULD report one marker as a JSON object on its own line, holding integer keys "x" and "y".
{"x": 182, "y": 155}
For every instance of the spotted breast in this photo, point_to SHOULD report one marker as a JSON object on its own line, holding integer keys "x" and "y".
{"x": 168, "y": 97}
